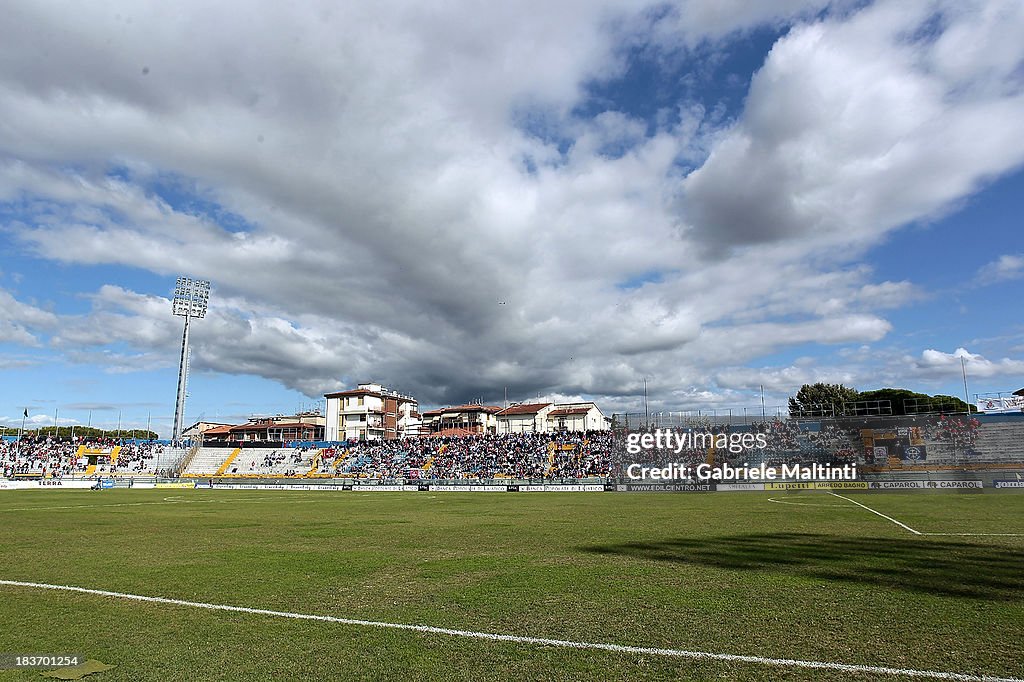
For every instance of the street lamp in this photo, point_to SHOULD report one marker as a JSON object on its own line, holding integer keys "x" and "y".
{"x": 191, "y": 297}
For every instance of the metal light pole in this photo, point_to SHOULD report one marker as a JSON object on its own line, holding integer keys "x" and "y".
{"x": 967, "y": 398}
{"x": 647, "y": 412}
{"x": 21, "y": 431}
{"x": 191, "y": 298}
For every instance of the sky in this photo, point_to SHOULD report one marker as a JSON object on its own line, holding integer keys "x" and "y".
{"x": 550, "y": 199}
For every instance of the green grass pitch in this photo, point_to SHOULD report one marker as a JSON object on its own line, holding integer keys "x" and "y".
{"x": 813, "y": 578}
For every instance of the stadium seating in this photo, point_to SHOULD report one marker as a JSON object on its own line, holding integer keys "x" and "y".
{"x": 949, "y": 442}
{"x": 207, "y": 461}
{"x": 1000, "y": 443}
{"x": 50, "y": 458}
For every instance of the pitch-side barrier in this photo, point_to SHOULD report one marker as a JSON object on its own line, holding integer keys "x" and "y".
{"x": 347, "y": 485}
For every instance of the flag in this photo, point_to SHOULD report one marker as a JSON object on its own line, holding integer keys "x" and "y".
{"x": 26, "y": 413}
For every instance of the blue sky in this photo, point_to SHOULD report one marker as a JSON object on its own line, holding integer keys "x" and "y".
{"x": 559, "y": 200}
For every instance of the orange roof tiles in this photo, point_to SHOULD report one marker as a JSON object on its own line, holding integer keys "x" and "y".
{"x": 526, "y": 408}
{"x": 568, "y": 411}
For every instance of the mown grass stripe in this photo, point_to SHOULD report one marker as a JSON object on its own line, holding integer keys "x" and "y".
{"x": 542, "y": 641}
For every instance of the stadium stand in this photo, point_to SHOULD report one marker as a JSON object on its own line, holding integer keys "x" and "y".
{"x": 521, "y": 456}
{"x": 49, "y": 458}
{"x": 207, "y": 461}
{"x": 999, "y": 443}
{"x": 879, "y": 445}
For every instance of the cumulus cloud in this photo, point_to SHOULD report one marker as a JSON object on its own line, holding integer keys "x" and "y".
{"x": 838, "y": 141}
{"x": 781, "y": 380}
{"x": 411, "y": 194}
{"x": 1006, "y": 267}
{"x": 19, "y": 321}
{"x": 935, "y": 363}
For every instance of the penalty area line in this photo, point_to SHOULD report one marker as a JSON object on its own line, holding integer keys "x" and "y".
{"x": 887, "y": 518}
{"x": 542, "y": 641}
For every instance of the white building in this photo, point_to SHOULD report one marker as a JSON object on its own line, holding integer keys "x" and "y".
{"x": 471, "y": 418}
{"x": 524, "y": 418}
{"x": 577, "y": 417}
{"x": 371, "y": 412}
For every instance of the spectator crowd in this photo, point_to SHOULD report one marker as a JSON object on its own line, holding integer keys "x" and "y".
{"x": 56, "y": 458}
{"x": 519, "y": 456}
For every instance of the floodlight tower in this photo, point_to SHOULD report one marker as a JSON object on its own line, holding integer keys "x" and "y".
{"x": 191, "y": 297}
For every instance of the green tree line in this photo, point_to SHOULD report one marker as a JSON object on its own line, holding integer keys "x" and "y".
{"x": 820, "y": 400}
{"x": 80, "y": 431}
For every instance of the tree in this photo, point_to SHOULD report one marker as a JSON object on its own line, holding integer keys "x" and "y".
{"x": 87, "y": 432}
{"x": 821, "y": 400}
{"x": 903, "y": 401}
{"x": 898, "y": 399}
{"x": 950, "y": 403}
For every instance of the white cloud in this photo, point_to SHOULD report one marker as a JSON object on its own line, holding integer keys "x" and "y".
{"x": 935, "y": 363}
{"x": 407, "y": 219}
{"x": 20, "y": 322}
{"x": 35, "y": 420}
{"x": 783, "y": 380}
{"x": 838, "y": 141}
{"x": 1006, "y": 267}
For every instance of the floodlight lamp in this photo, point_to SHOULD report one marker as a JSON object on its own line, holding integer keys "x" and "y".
{"x": 191, "y": 297}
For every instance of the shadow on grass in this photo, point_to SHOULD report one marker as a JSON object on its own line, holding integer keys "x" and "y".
{"x": 938, "y": 567}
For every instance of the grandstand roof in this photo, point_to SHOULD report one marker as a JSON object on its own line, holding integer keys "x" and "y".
{"x": 569, "y": 411}
{"x": 526, "y": 408}
{"x": 268, "y": 424}
{"x": 1020, "y": 392}
{"x": 463, "y": 408}
{"x": 459, "y": 433}
{"x": 252, "y": 426}
{"x": 219, "y": 430}
{"x": 365, "y": 391}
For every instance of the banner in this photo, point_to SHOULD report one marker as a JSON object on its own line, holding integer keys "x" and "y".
{"x": 385, "y": 488}
{"x": 276, "y": 486}
{"x": 558, "y": 488}
{"x": 1009, "y": 484}
{"x": 736, "y": 487}
{"x": 817, "y": 485}
{"x": 914, "y": 453}
{"x": 1006, "y": 403}
{"x": 179, "y": 484}
{"x": 468, "y": 488}
{"x": 924, "y": 485}
{"x": 44, "y": 484}
{"x": 665, "y": 487}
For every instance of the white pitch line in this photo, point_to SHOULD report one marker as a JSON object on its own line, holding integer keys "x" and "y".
{"x": 167, "y": 500}
{"x": 887, "y": 518}
{"x": 807, "y": 504}
{"x": 89, "y": 506}
{"x": 971, "y": 535}
{"x": 516, "y": 639}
